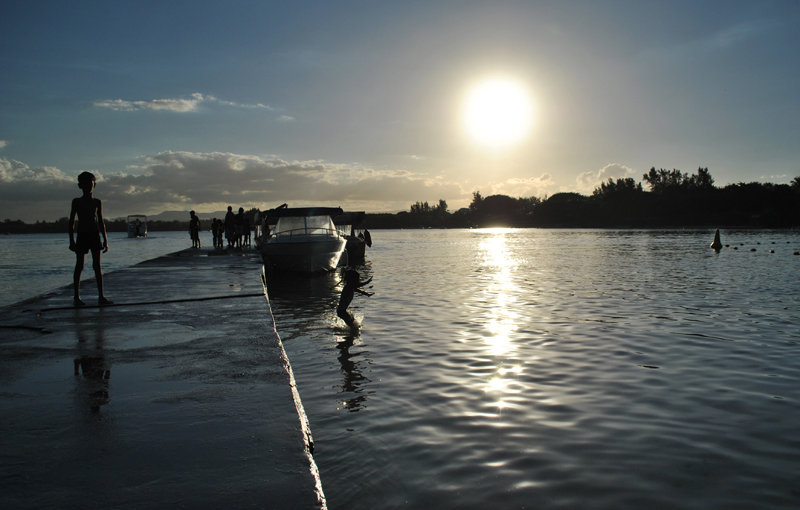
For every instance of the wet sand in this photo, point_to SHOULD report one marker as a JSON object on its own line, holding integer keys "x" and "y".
{"x": 179, "y": 395}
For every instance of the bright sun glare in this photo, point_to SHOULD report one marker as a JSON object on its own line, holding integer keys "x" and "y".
{"x": 498, "y": 113}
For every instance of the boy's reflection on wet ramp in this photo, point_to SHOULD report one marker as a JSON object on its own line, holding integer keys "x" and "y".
{"x": 92, "y": 367}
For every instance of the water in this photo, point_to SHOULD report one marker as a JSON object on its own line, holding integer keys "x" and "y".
{"x": 32, "y": 264}
{"x": 533, "y": 368}
{"x": 555, "y": 369}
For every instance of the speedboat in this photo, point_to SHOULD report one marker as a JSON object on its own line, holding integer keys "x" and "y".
{"x": 303, "y": 239}
{"x": 137, "y": 225}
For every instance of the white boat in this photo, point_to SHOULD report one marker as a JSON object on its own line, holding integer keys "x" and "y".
{"x": 303, "y": 239}
{"x": 137, "y": 225}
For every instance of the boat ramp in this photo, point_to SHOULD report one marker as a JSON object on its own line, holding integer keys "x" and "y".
{"x": 179, "y": 395}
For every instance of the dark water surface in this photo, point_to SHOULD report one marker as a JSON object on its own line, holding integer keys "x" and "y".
{"x": 32, "y": 264}
{"x": 555, "y": 369}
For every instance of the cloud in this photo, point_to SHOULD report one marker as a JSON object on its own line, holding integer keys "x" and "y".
{"x": 3, "y": 143}
{"x": 210, "y": 182}
{"x": 588, "y": 181}
{"x": 12, "y": 171}
{"x": 172, "y": 105}
{"x": 523, "y": 187}
{"x": 725, "y": 38}
{"x": 782, "y": 178}
{"x": 736, "y": 34}
{"x": 40, "y": 193}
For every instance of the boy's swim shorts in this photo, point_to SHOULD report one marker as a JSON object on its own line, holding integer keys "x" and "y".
{"x": 88, "y": 241}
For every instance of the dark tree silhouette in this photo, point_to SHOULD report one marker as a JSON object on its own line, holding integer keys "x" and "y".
{"x": 626, "y": 185}
{"x": 477, "y": 199}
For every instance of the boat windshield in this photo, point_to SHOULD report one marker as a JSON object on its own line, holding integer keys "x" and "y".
{"x": 305, "y": 225}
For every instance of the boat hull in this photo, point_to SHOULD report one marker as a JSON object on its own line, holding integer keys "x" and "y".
{"x": 137, "y": 225}
{"x": 355, "y": 249}
{"x": 133, "y": 233}
{"x": 304, "y": 257}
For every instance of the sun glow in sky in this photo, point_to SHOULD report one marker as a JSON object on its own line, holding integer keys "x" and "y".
{"x": 375, "y": 106}
{"x": 498, "y": 113}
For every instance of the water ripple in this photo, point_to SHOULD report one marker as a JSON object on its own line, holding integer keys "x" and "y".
{"x": 556, "y": 369}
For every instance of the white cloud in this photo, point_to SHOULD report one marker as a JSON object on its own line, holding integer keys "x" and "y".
{"x": 40, "y": 193}
{"x": 12, "y": 171}
{"x": 3, "y": 143}
{"x": 172, "y": 105}
{"x": 212, "y": 181}
{"x": 588, "y": 181}
{"x": 782, "y": 178}
{"x": 523, "y": 187}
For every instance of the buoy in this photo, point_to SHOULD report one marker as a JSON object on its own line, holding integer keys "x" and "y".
{"x": 772, "y": 251}
{"x": 716, "y": 245}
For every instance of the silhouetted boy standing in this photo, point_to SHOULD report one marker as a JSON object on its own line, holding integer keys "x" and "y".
{"x": 90, "y": 226}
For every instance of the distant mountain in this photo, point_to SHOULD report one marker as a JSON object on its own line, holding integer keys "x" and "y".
{"x": 184, "y": 216}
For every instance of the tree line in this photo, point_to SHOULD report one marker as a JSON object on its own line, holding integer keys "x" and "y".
{"x": 673, "y": 199}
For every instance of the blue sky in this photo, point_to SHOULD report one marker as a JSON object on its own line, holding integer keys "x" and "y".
{"x": 198, "y": 105}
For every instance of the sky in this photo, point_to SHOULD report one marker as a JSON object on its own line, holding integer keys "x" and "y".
{"x": 360, "y": 104}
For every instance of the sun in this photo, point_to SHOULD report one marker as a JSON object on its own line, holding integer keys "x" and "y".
{"x": 498, "y": 113}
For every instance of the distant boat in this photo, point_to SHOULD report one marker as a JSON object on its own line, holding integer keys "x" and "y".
{"x": 137, "y": 225}
{"x": 303, "y": 240}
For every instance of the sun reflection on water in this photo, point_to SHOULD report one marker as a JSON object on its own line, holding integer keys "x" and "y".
{"x": 501, "y": 320}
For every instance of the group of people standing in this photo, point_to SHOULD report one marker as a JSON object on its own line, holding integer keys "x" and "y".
{"x": 235, "y": 228}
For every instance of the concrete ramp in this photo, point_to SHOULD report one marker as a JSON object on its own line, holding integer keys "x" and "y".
{"x": 177, "y": 396}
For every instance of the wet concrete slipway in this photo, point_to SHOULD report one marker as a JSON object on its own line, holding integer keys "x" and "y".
{"x": 178, "y": 396}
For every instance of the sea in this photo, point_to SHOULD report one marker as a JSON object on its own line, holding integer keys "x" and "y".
{"x": 534, "y": 368}
{"x": 32, "y": 264}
